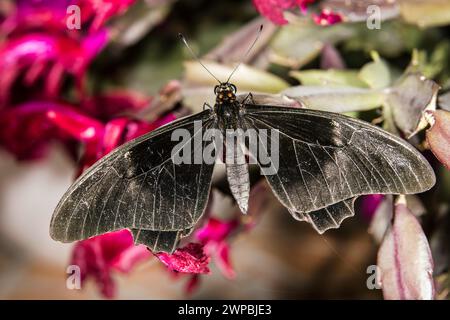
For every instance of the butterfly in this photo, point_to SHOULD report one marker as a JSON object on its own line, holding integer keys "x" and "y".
{"x": 316, "y": 163}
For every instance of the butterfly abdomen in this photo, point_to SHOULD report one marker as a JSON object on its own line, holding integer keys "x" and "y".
{"x": 238, "y": 176}
{"x": 238, "y": 179}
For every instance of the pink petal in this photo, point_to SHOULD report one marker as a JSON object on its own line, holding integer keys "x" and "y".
{"x": 189, "y": 259}
{"x": 369, "y": 204}
{"x": 327, "y": 18}
{"x": 438, "y": 136}
{"x": 273, "y": 9}
{"x": 79, "y": 126}
{"x": 303, "y": 4}
{"x": 114, "y": 134}
{"x": 89, "y": 258}
{"x": 164, "y": 120}
{"x": 130, "y": 257}
{"x": 97, "y": 257}
{"x": 26, "y": 129}
{"x": 193, "y": 283}
{"x": 222, "y": 259}
{"x": 101, "y": 10}
{"x": 404, "y": 259}
{"x": 216, "y": 230}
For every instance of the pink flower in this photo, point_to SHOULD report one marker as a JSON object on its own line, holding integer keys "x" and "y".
{"x": 273, "y": 9}
{"x": 47, "y": 57}
{"x": 38, "y": 44}
{"x": 189, "y": 259}
{"x": 52, "y": 14}
{"x": 26, "y": 130}
{"x": 327, "y": 18}
{"x": 100, "y": 256}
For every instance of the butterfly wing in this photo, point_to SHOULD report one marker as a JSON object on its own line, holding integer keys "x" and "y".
{"x": 138, "y": 186}
{"x": 326, "y": 159}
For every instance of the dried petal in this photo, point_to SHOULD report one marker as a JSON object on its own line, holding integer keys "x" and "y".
{"x": 234, "y": 47}
{"x": 438, "y": 136}
{"x": 408, "y": 99}
{"x": 331, "y": 58}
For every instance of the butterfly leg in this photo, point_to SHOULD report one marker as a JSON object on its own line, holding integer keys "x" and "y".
{"x": 206, "y": 105}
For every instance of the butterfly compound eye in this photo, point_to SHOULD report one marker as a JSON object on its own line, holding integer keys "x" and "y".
{"x": 215, "y": 89}
{"x": 233, "y": 87}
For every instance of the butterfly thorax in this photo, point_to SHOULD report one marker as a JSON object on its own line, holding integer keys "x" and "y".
{"x": 227, "y": 108}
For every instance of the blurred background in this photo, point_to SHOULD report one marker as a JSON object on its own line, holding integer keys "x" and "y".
{"x": 74, "y": 87}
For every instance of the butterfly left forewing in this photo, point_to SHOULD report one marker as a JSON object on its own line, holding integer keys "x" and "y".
{"x": 326, "y": 158}
{"x": 138, "y": 186}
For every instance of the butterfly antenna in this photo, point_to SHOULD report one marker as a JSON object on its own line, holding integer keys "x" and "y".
{"x": 248, "y": 51}
{"x": 182, "y": 38}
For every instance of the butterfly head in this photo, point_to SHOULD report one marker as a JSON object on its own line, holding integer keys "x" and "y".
{"x": 225, "y": 93}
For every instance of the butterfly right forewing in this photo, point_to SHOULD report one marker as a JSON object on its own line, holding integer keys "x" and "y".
{"x": 327, "y": 159}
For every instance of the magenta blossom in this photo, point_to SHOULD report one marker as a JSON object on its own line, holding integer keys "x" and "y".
{"x": 38, "y": 45}
{"x": 273, "y": 9}
{"x": 41, "y": 56}
{"x": 100, "y": 256}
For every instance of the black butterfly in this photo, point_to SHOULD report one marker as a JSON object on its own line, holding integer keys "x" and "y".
{"x": 325, "y": 161}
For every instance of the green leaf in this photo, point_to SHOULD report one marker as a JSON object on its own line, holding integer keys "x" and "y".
{"x": 429, "y": 13}
{"x": 375, "y": 74}
{"x": 245, "y": 77}
{"x": 299, "y": 43}
{"x": 336, "y": 99}
{"x": 330, "y": 77}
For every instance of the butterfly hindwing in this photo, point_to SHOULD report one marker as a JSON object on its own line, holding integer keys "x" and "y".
{"x": 138, "y": 186}
{"x": 327, "y": 158}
